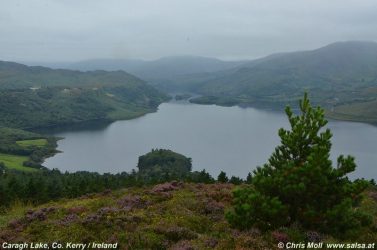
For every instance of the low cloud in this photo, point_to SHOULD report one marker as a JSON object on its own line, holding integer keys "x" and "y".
{"x": 71, "y": 30}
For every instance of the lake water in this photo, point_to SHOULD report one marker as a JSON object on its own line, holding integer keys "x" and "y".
{"x": 232, "y": 139}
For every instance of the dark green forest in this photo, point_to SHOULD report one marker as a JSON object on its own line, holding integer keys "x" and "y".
{"x": 38, "y": 187}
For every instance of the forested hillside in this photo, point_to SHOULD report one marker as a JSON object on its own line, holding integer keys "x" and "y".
{"x": 33, "y": 97}
{"x": 38, "y": 97}
{"x": 15, "y": 75}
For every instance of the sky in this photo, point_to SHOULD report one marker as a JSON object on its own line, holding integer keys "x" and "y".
{"x": 74, "y": 30}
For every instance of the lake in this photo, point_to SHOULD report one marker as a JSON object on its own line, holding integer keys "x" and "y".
{"x": 232, "y": 139}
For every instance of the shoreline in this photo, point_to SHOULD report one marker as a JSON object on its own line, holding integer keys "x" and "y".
{"x": 267, "y": 107}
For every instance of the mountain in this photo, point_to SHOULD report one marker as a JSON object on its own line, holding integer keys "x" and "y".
{"x": 15, "y": 75}
{"x": 33, "y": 97}
{"x": 168, "y": 67}
{"x": 346, "y": 64}
{"x": 342, "y": 77}
{"x": 164, "y": 71}
{"x": 342, "y": 73}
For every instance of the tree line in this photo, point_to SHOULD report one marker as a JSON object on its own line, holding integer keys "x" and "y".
{"x": 157, "y": 166}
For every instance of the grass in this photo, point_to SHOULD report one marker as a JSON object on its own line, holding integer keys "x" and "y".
{"x": 15, "y": 162}
{"x": 359, "y": 112}
{"x": 32, "y": 143}
{"x": 17, "y": 211}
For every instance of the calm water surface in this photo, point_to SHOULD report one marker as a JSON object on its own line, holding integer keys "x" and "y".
{"x": 232, "y": 139}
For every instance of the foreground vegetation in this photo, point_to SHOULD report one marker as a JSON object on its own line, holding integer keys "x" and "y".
{"x": 166, "y": 216}
{"x": 299, "y": 185}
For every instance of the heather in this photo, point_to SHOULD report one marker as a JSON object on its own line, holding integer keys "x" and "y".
{"x": 172, "y": 215}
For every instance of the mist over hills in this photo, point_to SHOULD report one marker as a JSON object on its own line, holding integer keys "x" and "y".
{"x": 338, "y": 65}
{"x": 342, "y": 77}
{"x": 344, "y": 63}
{"x": 163, "y": 68}
{"x": 341, "y": 73}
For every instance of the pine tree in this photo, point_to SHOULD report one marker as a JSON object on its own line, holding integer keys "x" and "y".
{"x": 249, "y": 178}
{"x": 299, "y": 183}
{"x": 235, "y": 180}
{"x": 222, "y": 177}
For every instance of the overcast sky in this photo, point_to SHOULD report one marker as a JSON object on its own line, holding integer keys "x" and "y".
{"x": 71, "y": 30}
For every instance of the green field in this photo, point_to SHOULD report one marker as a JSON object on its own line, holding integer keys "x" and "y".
{"x": 30, "y": 143}
{"x": 15, "y": 162}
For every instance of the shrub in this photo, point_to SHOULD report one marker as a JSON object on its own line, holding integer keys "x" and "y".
{"x": 299, "y": 183}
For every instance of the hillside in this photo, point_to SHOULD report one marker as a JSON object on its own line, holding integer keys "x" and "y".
{"x": 167, "y": 216}
{"x": 339, "y": 74}
{"x": 15, "y": 75}
{"x": 32, "y": 97}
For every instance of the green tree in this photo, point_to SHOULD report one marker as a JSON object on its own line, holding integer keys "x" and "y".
{"x": 200, "y": 177}
{"x": 235, "y": 180}
{"x": 299, "y": 183}
{"x": 222, "y": 177}
{"x": 249, "y": 178}
{"x": 163, "y": 165}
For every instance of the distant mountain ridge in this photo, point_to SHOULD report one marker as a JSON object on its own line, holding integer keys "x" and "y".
{"x": 161, "y": 69}
{"x": 327, "y": 68}
{"x": 342, "y": 73}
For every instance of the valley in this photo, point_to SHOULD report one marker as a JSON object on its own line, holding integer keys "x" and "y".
{"x": 340, "y": 77}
